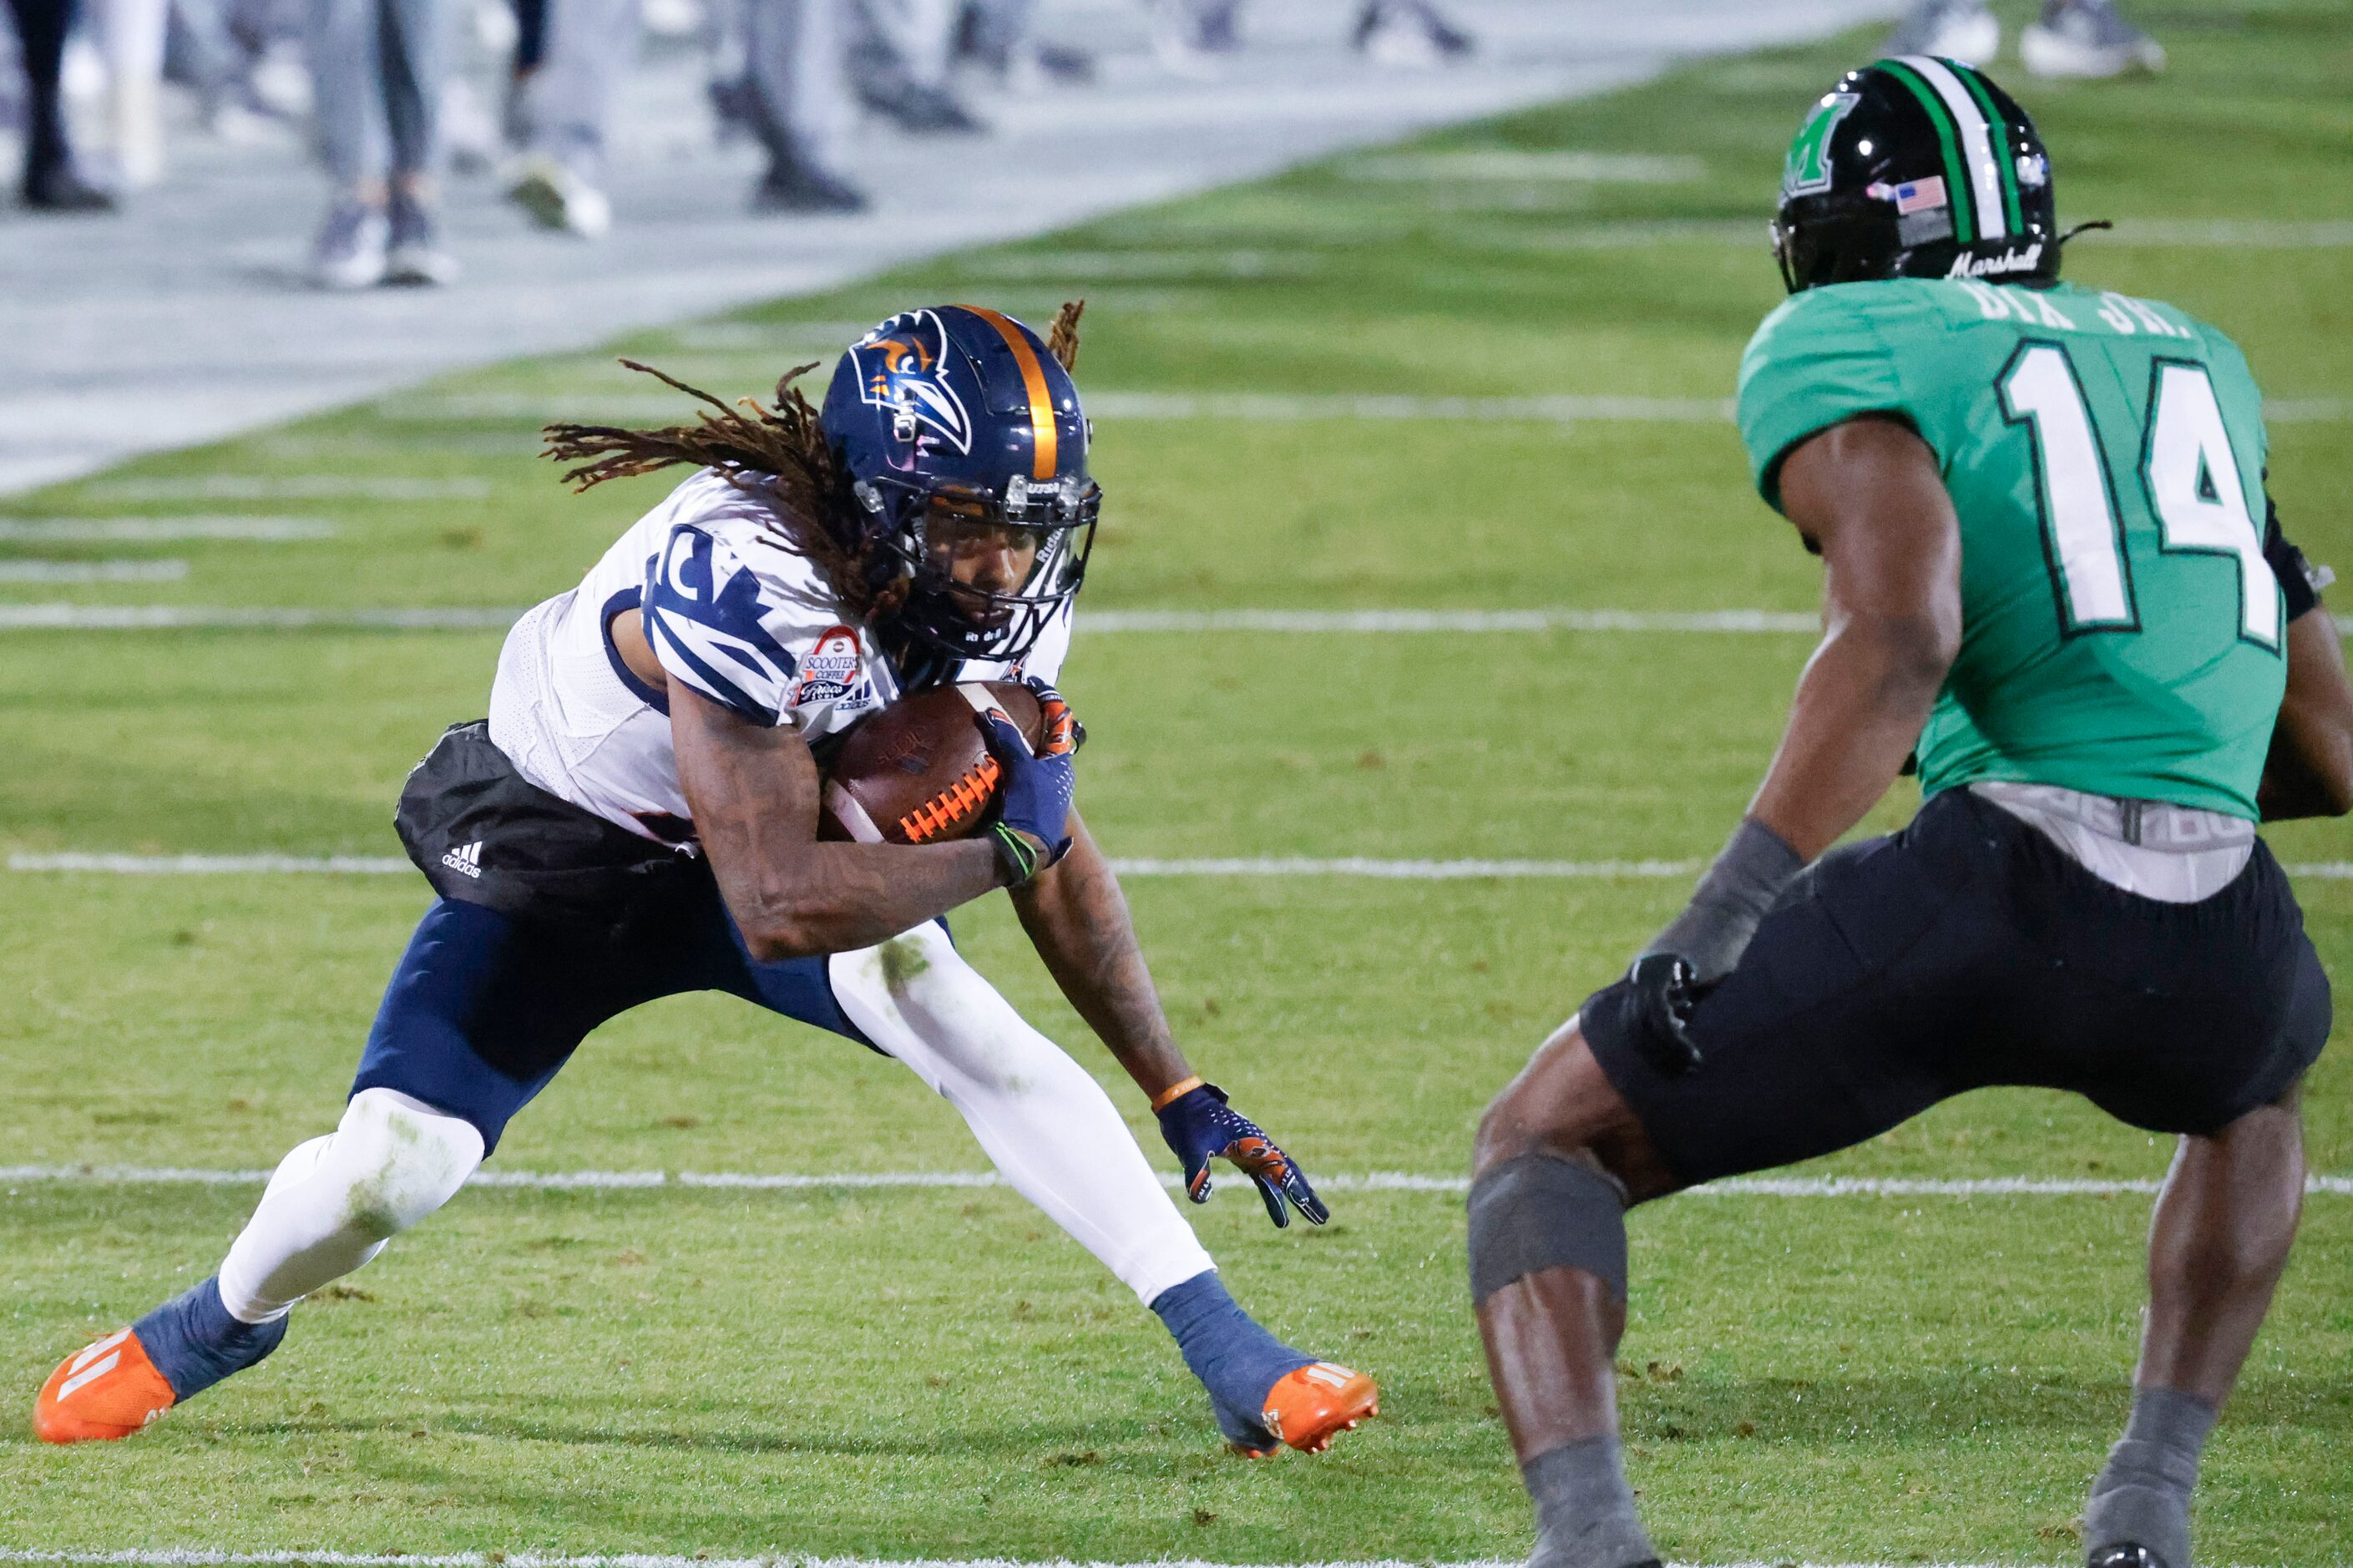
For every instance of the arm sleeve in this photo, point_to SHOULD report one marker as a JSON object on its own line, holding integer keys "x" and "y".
{"x": 705, "y": 617}
{"x": 2300, "y": 582}
{"x": 1815, "y": 363}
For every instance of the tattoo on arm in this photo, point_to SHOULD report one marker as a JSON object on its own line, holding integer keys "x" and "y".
{"x": 1078, "y": 918}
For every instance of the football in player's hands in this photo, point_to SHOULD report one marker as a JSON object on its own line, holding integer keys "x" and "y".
{"x": 920, "y": 771}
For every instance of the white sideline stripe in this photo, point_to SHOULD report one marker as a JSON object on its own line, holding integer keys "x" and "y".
{"x": 93, "y": 571}
{"x": 1270, "y": 866}
{"x": 160, "y": 530}
{"x": 1365, "y": 1182}
{"x": 288, "y": 487}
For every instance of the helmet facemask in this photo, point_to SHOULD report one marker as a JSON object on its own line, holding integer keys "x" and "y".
{"x": 985, "y": 573}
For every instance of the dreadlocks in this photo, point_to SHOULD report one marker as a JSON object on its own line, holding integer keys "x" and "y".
{"x": 778, "y": 453}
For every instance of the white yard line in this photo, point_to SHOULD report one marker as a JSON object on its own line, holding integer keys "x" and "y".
{"x": 180, "y": 617}
{"x": 93, "y": 571}
{"x": 1366, "y": 1182}
{"x": 287, "y": 487}
{"x": 1422, "y": 621}
{"x": 1509, "y": 164}
{"x": 198, "y": 1557}
{"x": 160, "y": 530}
{"x": 1240, "y": 866}
{"x": 203, "y": 618}
{"x": 60, "y": 617}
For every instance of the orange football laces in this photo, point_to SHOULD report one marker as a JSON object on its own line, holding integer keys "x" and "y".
{"x": 952, "y": 804}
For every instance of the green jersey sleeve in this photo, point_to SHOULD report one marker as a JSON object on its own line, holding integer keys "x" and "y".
{"x": 1815, "y": 361}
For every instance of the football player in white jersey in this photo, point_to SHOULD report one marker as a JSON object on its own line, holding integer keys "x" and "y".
{"x": 638, "y": 818}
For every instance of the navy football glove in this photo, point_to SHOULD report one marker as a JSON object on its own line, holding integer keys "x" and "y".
{"x": 1200, "y": 1128}
{"x": 1034, "y": 803}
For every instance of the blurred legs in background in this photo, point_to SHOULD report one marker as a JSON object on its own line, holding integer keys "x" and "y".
{"x": 564, "y": 108}
{"x": 798, "y": 103}
{"x": 898, "y": 65}
{"x": 130, "y": 39}
{"x": 378, "y": 68}
{"x": 1409, "y": 33}
{"x": 2087, "y": 39}
{"x": 52, "y": 184}
{"x": 995, "y": 35}
{"x": 1963, "y": 30}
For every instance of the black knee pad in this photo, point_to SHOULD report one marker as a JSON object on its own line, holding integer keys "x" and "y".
{"x": 1541, "y": 1212}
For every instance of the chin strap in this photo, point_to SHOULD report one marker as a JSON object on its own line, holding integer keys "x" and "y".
{"x": 2081, "y": 227}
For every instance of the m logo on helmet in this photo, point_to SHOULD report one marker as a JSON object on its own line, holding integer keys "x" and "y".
{"x": 901, "y": 366}
{"x": 1808, "y": 167}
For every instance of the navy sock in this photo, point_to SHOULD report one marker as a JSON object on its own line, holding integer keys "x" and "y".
{"x": 1236, "y": 1360}
{"x": 195, "y": 1343}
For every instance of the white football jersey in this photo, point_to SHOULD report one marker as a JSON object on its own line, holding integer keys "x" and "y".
{"x": 732, "y": 612}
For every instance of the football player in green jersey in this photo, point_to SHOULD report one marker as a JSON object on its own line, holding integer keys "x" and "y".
{"x": 2052, "y": 577}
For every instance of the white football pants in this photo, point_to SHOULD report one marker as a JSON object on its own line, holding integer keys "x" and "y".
{"x": 1043, "y": 1122}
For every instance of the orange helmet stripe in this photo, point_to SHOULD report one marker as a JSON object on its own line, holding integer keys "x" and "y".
{"x": 1047, "y": 435}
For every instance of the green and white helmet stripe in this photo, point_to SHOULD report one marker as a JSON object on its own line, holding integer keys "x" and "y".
{"x": 1984, "y": 187}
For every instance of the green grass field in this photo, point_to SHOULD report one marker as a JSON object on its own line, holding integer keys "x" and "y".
{"x": 932, "y": 1373}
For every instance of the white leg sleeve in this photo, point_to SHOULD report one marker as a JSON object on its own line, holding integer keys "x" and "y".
{"x": 334, "y": 1202}
{"x": 1046, "y": 1125}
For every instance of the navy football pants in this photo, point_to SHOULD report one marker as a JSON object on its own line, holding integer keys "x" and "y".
{"x": 484, "y": 1008}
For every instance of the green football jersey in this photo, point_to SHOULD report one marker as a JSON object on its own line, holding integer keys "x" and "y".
{"x": 2121, "y": 631}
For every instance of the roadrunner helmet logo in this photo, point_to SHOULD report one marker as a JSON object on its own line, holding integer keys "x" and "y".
{"x": 901, "y": 366}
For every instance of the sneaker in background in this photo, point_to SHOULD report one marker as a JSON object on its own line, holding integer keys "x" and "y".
{"x": 350, "y": 251}
{"x": 557, "y": 197}
{"x": 1407, "y": 33}
{"x": 415, "y": 255}
{"x": 1963, "y": 30}
{"x": 2086, "y": 41}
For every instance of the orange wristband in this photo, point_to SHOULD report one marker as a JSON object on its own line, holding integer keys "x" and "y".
{"x": 1175, "y": 1093}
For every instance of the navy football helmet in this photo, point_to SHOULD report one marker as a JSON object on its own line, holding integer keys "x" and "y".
{"x": 1917, "y": 167}
{"x": 965, "y": 449}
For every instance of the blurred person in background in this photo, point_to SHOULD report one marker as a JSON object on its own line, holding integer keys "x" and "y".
{"x": 899, "y": 58}
{"x": 130, "y": 40}
{"x": 782, "y": 77}
{"x": 564, "y": 108}
{"x": 2080, "y": 39}
{"x": 996, "y": 36}
{"x": 51, "y": 180}
{"x": 378, "y": 68}
{"x": 1194, "y": 36}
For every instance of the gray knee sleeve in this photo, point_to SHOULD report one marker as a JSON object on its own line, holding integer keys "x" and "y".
{"x": 1539, "y": 1211}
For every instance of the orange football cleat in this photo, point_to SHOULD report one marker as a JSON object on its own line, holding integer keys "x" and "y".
{"x": 103, "y": 1391}
{"x": 1309, "y": 1407}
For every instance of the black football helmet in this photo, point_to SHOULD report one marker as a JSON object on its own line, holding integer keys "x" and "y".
{"x": 1916, "y": 167}
{"x": 953, "y": 422}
